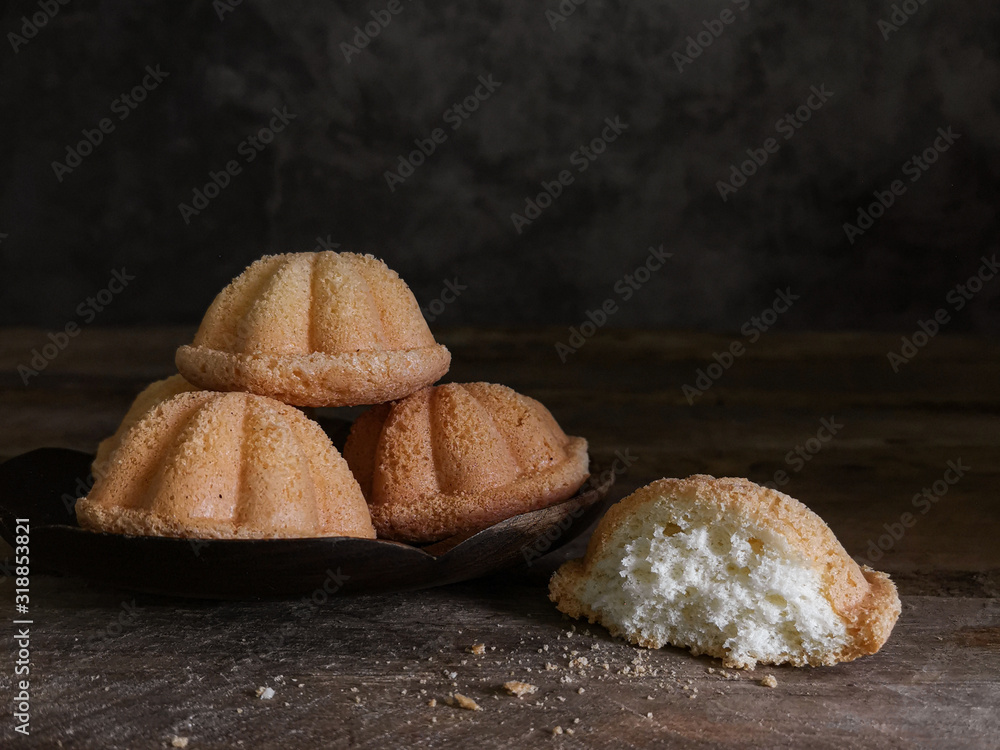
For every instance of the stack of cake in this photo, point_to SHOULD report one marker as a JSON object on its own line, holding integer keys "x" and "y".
{"x": 220, "y": 451}
{"x": 721, "y": 566}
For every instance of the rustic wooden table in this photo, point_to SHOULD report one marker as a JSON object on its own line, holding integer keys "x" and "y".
{"x": 114, "y": 669}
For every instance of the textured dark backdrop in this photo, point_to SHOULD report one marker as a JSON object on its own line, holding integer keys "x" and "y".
{"x": 323, "y": 176}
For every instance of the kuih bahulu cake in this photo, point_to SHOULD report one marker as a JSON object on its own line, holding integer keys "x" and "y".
{"x": 315, "y": 329}
{"x": 456, "y": 458}
{"x": 226, "y": 466}
{"x": 731, "y": 569}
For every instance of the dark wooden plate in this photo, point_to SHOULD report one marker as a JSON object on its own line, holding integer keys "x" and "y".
{"x": 43, "y": 485}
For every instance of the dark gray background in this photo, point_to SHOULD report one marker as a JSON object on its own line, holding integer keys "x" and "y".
{"x": 324, "y": 175}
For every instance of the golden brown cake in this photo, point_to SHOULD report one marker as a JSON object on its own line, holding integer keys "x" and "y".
{"x": 456, "y": 458}
{"x": 155, "y": 393}
{"x": 731, "y": 569}
{"x": 226, "y": 466}
{"x": 315, "y": 329}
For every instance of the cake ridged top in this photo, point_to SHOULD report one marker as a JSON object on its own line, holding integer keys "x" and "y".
{"x": 229, "y": 465}
{"x": 321, "y": 302}
{"x": 155, "y": 393}
{"x": 454, "y": 439}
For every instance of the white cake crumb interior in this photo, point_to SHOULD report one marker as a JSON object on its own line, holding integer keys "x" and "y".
{"x": 673, "y": 574}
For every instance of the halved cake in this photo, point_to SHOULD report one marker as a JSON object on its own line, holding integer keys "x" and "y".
{"x": 727, "y": 568}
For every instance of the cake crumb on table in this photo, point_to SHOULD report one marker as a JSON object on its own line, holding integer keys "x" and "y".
{"x": 177, "y": 741}
{"x": 557, "y": 730}
{"x": 432, "y": 702}
{"x": 465, "y": 702}
{"x": 477, "y": 649}
{"x": 769, "y": 680}
{"x": 519, "y": 689}
{"x": 265, "y": 693}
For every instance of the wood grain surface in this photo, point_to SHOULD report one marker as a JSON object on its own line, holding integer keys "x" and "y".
{"x": 115, "y": 669}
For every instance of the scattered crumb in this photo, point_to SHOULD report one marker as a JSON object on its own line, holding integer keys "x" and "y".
{"x": 176, "y": 741}
{"x": 649, "y": 715}
{"x": 549, "y": 666}
{"x": 557, "y": 730}
{"x": 477, "y": 649}
{"x": 465, "y": 702}
{"x": 519, "y": 689}
{"x": 580, "y": 691}
{"x": 768, "y": 680}
{"x": 432, "y": 702}
{"x": 580, "y": 661}
{"x": 265, "y": 693}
